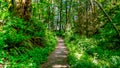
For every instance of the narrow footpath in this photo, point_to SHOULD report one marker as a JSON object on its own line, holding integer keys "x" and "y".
{"x": 58, "y": 58}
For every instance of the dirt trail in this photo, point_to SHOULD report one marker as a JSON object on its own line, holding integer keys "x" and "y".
{"x": 58, "y": 58}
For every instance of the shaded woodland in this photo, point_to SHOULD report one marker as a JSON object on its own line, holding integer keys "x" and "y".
{"x": 90, "y": 29}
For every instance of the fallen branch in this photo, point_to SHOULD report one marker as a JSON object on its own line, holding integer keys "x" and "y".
{"x": 108, "y": 17}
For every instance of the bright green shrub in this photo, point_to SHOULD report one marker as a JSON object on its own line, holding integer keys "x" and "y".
{"x": 18, "y": 40}
{"x": 93, "y": 52}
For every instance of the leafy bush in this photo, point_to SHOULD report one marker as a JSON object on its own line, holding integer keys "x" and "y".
{"x": 18, "y": 40}
{"x": 93, "y": 52}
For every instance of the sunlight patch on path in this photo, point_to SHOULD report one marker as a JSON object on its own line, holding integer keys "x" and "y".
{"x": 59, "y": 66}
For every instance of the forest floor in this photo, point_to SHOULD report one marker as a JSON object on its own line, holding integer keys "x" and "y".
{"x": 58, "y": 58}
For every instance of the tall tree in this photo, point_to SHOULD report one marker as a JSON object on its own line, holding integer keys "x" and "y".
{"x": 60, "y": 15}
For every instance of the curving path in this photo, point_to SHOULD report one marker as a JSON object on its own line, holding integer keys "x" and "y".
{"x": 58, "y": 58}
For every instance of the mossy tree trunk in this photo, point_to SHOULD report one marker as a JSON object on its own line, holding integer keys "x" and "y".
{"x": 21, "y": 8}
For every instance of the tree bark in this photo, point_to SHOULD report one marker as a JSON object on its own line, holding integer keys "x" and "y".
{"x": 60, "y": 15}
{"x": 23, "y": 8}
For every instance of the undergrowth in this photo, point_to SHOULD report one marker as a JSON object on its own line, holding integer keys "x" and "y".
{"x": 99, "y": 51}
{"x": 25, "y": 44}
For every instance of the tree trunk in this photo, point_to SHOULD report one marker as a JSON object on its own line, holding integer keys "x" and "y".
{"x": 66, "y": 15}
{"x": 60, "y": 15}
{"x": 22, "y": 9}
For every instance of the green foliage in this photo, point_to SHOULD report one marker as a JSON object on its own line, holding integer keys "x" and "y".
{"x": 28, "y": 43}
{"x": 94, "y": 52}
{"x": 39, "y": 55}
{"x": 24, "y": 44}
{"x": 18, "y": 40}
{"x": 2, "y": 43}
